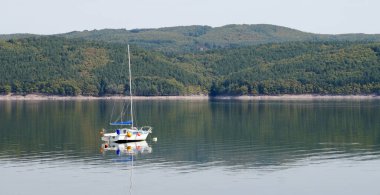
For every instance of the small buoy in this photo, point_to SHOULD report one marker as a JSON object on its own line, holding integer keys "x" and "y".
{"x": 129, "y": 134}
{"x": 154, "y": 139}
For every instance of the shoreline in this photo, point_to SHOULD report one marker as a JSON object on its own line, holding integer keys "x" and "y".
{"x": 34, "y": 97}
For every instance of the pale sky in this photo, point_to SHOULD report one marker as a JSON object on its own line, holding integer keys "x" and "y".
{"x": 61, "y": 16}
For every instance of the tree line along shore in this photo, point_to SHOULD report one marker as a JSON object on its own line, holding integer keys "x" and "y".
{"x": 41, "y": 97}
{"x": 54, "y": 65}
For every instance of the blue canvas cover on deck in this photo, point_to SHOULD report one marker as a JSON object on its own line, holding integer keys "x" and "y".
{"x": 122, "y": 123}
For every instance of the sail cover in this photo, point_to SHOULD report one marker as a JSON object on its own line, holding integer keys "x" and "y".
{"x": 122, "y": 123}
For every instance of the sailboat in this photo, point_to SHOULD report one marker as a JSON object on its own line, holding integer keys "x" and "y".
{"x": 131, "y": 133}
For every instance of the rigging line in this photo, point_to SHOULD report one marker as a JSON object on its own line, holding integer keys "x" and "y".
{"x": 123, "y": 105}
{"x": 124, "y": 108}
{"x": 113, "y": 109}
{"x": 122, "y": 111}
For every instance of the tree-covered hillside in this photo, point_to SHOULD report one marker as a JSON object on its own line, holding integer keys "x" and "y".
{"x": 57, "y": 65}
{"x": 185, "y": 39}
{"x": 296, "y": 68}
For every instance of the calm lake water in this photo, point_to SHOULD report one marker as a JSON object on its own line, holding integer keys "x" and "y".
{"x": 203, "y": 147}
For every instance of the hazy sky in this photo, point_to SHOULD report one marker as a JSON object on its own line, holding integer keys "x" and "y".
{"x": 60, "y": 16}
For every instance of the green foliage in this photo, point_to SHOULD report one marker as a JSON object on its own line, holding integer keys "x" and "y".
{"x": 61, "y": 66}
{"x": 5, "y": 89}
{"x": 154, "y": 86}
{"x": 184, "y": 39}
{"x": 297, "y": 68}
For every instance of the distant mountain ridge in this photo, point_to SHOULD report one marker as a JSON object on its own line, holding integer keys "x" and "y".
{"x": 183, "y": 39}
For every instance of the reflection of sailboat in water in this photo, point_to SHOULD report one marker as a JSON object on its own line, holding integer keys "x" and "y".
{"x": 131, "y": 133}
{"x": 126, "y": 153}
{"x": 129, "y": 148}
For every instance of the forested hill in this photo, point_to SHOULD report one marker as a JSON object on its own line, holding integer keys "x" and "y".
{"x": 62, "y": 66}
{"x": 184, "y": 39}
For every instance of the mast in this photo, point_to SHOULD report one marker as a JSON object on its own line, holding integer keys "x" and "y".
{"x": 130, "y": 86}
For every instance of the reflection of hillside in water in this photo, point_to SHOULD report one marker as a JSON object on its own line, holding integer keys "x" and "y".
{"x": 255, "y": 134}
{"x": 239, "y": 134}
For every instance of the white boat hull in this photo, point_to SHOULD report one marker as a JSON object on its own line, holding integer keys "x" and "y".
{"x": 125, "y": 134}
